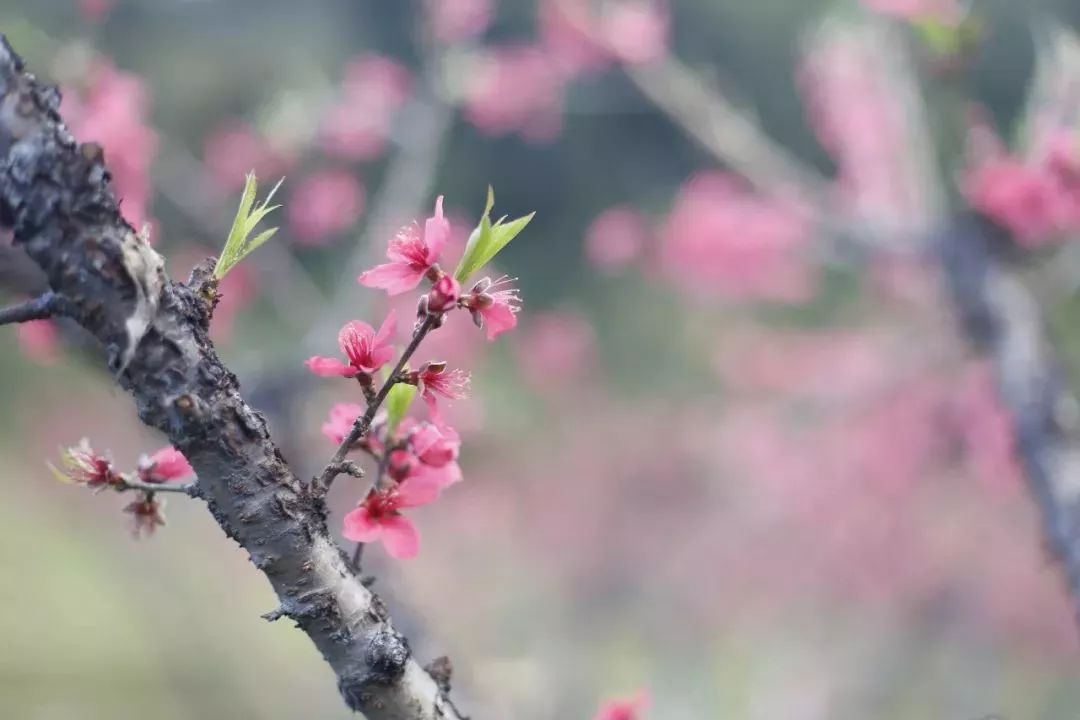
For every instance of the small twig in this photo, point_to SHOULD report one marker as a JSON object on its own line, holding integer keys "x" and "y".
{"x": 189, "y": 489}
{"x": 363, "y": 423}
{"x": 43, "y": 307}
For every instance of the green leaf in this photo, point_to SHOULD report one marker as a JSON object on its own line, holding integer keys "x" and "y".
{"x": 487, "y": 240}
{"x": 398, "y": 400}
{"x": 240, "y": 244}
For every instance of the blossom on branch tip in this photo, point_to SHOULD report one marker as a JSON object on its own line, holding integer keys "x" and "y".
{"x": 412, "y": 254}
{"x": 494, "y": 305}
{"x": 82, "y": 465}
{"x": 342, "y": 418}
{"x": 365, "y": 349}
{"x": 165, "y": 465}
{"x": 379, "y": 518}
{"x": 435, "y": 381}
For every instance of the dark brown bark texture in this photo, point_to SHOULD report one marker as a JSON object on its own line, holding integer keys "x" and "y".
{"x": 55, "y": 195}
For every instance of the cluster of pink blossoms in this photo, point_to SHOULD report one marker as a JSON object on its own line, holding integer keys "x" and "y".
{"x": 416, "y": 460}
{"x": 82, "y": 465}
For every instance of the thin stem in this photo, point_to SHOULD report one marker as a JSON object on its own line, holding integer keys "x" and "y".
{"x": 43, "y": 307}
{"x": 132, "y": 484}
{"x": 363, "y": 423}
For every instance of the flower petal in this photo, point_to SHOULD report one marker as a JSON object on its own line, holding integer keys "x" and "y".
{"x": 354, "y": 339}
{"x": 170, "y": 464}
{"x": 436, "y": 232}
{"x": 329, "y": 367}
{"x": 498, "y": 318}
{"x": 443, "y": 476}
{"x": 394, "y": 278}
{"x": 387, "y": 330}
{"x": 417, "y": 490}
{"x": 400, "y": 537}
{"x": 359, "y": 526}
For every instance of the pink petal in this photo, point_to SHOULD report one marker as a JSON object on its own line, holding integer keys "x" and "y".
{"x": 498, "y": 319}
{"x": 436, "y": 232}
{"x": 387, "y": 330}
{"x": 417, "y": 490}
{"x": 170, "y": 464}
{"x": 360, "y": 527}
{"x": 442, "y": 476}
{"x": 329, "y": 367}
{"x": 400, "y": 538}
{"x": 433, "y": 407}
{"x": 380, "y": 357}
{"x": 394, "y": 278}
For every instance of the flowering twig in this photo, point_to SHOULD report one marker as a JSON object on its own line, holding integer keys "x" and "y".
{"x": 363, "y": 423}
{"x": 43, "y": 307}
{"x": 57, "y": 198}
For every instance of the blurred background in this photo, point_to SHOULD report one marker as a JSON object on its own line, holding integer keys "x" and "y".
{"x": 737, "y": 453}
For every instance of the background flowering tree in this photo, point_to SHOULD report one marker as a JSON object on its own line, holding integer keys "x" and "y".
{"x": 785, "y": 375}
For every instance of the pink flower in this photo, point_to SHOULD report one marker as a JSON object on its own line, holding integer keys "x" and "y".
{"x": 342, "y": 418}
{"x": 39, "y": 341}
{"x": 444, "y": 295}
{"x": 516, "y": 88}
{"x": 722, "y": 240}
{"x": 325, "y": 204}
{"x": 1017, "y": 196}
{"x": 112, "y": 111}
{"x": 436, "y": 449}
{"x": 435, "y": 381}
{"x": 365, "y": 349}
{"x": 632, "y": 709}
{"x": 636, "y": 31}
{"x": 411, "y": 255}
{"x": 616, "y": 238}
{"x": 494, "y": 305}
{"x": 555, "y": 349}
{"x": 453, "y": 21}
{"x": 357, "y": 126}
{"x": 235, "y": 148}
{"x": 81, "y": 465}
{"x": 379, "y": 518}
{"x": 165, "y": 465}
{"x": 947, "y": 11}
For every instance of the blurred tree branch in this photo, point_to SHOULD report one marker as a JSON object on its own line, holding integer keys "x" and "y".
{"x": 55, "y": 195}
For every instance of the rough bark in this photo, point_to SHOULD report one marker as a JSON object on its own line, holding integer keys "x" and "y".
{"x": 1003, "y": 319}
{"x": 55, "y": 195}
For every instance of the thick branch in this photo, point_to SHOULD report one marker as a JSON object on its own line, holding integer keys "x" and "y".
{"x": 55, "y": 195}
{"x": 1003, "y": 319}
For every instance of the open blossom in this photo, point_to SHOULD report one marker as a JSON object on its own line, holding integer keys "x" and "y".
{"x": 342, "y": 418}
{"x": 82, "y": 465}
{"x": 147, "y": 513}
{"x": 632, "y": 709}
{"x": 616, "y": 238}
{"x": 412, "y": 253}
{"x": 494, "y": 305}
{"x": 516, "y": 88}
{"x": 325, "y": 204}
{"x": 365, "y": 349}
{"x": 720, "y": 239}
{"x": 435, "y": 381}
{"x": 359, "y": 124}
{"x": 379, "y": 518}
{"x": 165, "y": 465}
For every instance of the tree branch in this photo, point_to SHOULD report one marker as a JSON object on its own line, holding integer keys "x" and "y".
{"x": 55, "y": 195}
{"x": 1002, "y": 318}
{"x": 42, "y": 307}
